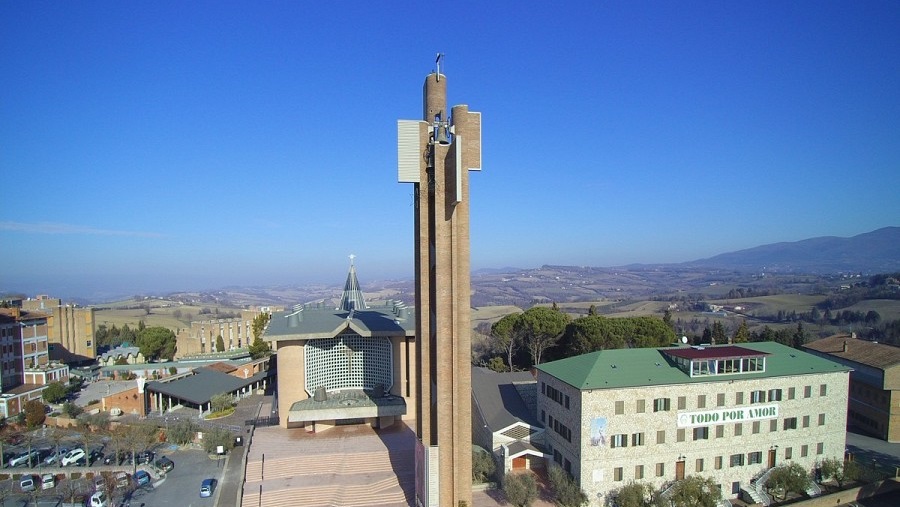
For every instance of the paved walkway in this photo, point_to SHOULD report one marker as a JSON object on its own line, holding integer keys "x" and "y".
{"x": 346, "y": 466}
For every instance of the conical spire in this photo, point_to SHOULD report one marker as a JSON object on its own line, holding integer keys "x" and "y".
{"x": 352, "y": 298}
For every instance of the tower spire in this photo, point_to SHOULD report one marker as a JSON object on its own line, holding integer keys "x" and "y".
{"x": 352, "y": 297}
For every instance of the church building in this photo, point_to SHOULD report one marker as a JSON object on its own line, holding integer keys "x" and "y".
{"x": 348, "y": 363}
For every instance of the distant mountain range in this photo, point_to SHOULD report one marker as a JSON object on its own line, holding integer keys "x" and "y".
{"x": 871, "y": 252}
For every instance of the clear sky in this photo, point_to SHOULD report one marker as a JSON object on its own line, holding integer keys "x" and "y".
{"x": 169, "y": 145}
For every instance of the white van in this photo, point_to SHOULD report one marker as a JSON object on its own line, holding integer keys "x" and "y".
{"x": 48, "y": 481}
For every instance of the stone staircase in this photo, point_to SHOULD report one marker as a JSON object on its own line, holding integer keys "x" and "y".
{"x": 319, "y": 471}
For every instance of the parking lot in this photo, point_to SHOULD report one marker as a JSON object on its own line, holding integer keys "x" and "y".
{"x": 180, "y": 486}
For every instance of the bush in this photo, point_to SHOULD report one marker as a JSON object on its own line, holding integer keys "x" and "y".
{"x": 34, "y": 413}
{"x": 567, "y": 492}
{"x": 483, "y": 466}
{"x": 520, "y": 489}
{"x": 221, "y": 402}
{"x": 72, "y": 410}
{"x": 55, "y": 392}
{"x": 181, "y": 432}
{"x": 215, "y": 437}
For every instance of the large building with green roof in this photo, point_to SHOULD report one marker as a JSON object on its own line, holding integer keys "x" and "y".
{"x": 344, "y": 363}
{"x": 658, "y": 415}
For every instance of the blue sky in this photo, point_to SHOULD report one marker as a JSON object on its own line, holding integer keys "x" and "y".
{"x": 162, "y": 146}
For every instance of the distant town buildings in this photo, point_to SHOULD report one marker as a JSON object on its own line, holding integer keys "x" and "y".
{"x": 70, "y": 329}
{"x": 874, "y": 404}
{"x": 201, "y": 337}
{"x": 727, "y": 412}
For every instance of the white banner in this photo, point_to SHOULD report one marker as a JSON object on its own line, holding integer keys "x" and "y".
{"x": 727, "y": 415}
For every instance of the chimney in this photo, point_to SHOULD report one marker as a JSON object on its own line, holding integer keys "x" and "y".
{"x": 845, "y": 346}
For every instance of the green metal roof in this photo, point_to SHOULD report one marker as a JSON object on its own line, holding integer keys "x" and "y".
{"x": 619, "y": 368}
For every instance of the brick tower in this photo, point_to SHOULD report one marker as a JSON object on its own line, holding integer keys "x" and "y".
{"x": 436, "y": 155}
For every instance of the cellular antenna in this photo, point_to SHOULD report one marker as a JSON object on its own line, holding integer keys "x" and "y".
{"x": 437, "y": 62}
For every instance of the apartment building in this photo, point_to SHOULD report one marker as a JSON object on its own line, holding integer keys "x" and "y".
{"x": 25, "y": 364}
{"x": 728, "y": 412}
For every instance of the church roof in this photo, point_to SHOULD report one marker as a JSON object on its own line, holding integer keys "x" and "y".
{"x": 322, "y": 320}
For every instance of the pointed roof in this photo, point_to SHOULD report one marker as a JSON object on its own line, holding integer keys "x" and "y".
{"x": 352, "y": 298}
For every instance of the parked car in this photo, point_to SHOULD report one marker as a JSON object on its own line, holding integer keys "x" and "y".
{"x": 125, "y": 458}
{"x": 99, "y": 482}
{"x": 23, "y": 459}
{"x": 146, "y": 457}
{"x": 27, "y": 483}
{"x": 55, "y": 457}
{"x": 48, "y": 481}
{"x": 207, "y": 487}
{"x": 122, "y": 480}
{"x": 94, "y": 456}
{"x": 141, "y": 477}
{"x": 98, "y": 499}
{"x": 165, "y": 464}
{"x": 72, "y": 457}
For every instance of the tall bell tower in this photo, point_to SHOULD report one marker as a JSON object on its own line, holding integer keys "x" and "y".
{"x": 435, "y": 154}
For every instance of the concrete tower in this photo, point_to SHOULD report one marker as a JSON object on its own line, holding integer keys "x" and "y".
{"x": 435, "y": 155}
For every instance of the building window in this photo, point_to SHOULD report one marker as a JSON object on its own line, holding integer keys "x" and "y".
{"x": 679, "y": 435}
{"x": 682, "y": 402}
{"x": 620, "y": 407}
{"x": 661, "y": 437}
{"x": 821, "y": 419}
{"x": 639, "y": 472}
{"x": 792, "y": 393}
{"x": 738, "y": 429}
{"x": 739, "y": 398}
{"x": 788, "y": 452}
{"x": 637, "y": 439}
{"x": 617, "y": 474}
{"x": 718, "y": 462}
{"x": 660, "y": 469}
{"x": 567, "y": 466}
{"x": 736, "y": 488}
{"x": 820, "y": 448}
{"x": 701, "y": 401}
{"x": 699, "y": 465}
{"x": 754, "y": 458}
{"x": 620, "y": 440}
{"x": 804, "y": 450}
{"x": 543, "y": 388}
{"x": 773, "y": 425}
{"x": 806, "y": 421}
{"x": 823, "y": 390}
{"x": 737, "y": 460}
{"x": 720, "y": 431}
{"x": 807, "y": 391}
{"x": 543, "y": 416}
{"x": 661, "y": 405}
{"x": 755, "y": 429}
{"x": 758, "y": 397}
{"x": 567, "y": 401}
{"x": 701, "y": 433}
{"x": 555, "y": 394}
{"x": 720, "y": 400}
{"x": 774, "y": 394}
{"x": 639, "y": 406}
{"x": 790, "y": 423}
